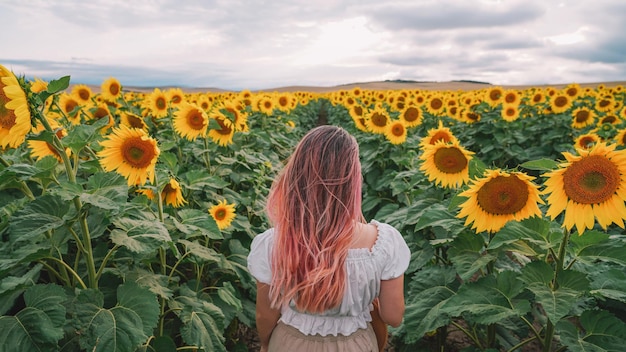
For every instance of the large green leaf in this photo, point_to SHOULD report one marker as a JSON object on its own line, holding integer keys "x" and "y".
{"x": 37, "y": 327}
{"x": 203, "y": 323}
{"x": 106, "y": 190}
{"x": 609, "y": 284}
{"x": 156, "y": 283}
{"x": 557, "y": 301}
{"x": 600, "y": 332}
{"x": 201, "y": 254}
{"x": 140, "y": 236}
{"x": 43, "y": 214}
{"x": 468, "y": 255}
{"x": 123, "y": 327}
{"x": 429, "y": 290}
{"x": 11, "y": 287}
{"x": 194, "y": 222}
{"x": 489, "y": 300}
{"x": 594, "y": 245}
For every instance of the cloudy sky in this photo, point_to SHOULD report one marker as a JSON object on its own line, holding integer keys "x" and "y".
{"x": 250, "y": 44}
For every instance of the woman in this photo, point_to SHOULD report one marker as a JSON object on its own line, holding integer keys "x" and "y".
{"x": 321, "y": 266}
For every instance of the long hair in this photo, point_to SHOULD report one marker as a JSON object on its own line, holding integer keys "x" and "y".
{"x": 314, "y": 205}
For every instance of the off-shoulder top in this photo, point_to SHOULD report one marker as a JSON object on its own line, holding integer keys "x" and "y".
{"x": 387, "y": 259}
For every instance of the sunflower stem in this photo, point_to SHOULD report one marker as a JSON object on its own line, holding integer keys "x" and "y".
{"x": 23, "y": 186}
{"x": 88, "y": 250}
{"x": 560, "y": 263}
{"x": 207, "y": 160}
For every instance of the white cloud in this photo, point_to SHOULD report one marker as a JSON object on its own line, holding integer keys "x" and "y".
{"x": 238, "y": 44}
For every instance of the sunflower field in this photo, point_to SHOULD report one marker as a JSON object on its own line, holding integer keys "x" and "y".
{"x": 127, "y": 216}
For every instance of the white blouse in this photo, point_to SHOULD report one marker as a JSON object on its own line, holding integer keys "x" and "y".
{"x": 388, "y": 259}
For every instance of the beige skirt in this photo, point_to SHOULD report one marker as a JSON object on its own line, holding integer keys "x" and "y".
{"x": 289, "y": 339}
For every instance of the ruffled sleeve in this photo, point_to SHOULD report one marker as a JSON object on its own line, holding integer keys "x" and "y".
{"x": 259, "y": 257}
{"x": 397, "y": 252}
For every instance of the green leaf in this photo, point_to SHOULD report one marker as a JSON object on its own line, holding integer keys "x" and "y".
{"x": 600, "y": 331}
{"x": 198, "y": 179}
{"x": 489, "y": 300}
{"x": 201, "y": 254}
{"x": 540, "y": 165}
{"x": 120, "y": 328}
{"x": 599, "y": 247}
{"x": 227, "y": 294}
{"x": 194, "y": 222}
{"x": 57, "y": 85}
{"x": 203, "y": 323}
{"x": 468, "y": 255}
{"x": 43, "y": 214}
{"x": 609, "y": 284}
{"x": 140, "y": 236}
{"x": 429, "y": 290}
{"x": 82, "y": 135}
{"x": 39, "y": 326}
{"x": 156, "y": 283}
{"x": 557, "y": 302}
{"x": 107, "y": 191}
{"x": 141, "y": 301}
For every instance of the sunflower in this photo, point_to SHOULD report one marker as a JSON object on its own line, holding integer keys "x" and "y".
{"x": 446, "y": 163}
{"x": 582, "y": 117}
{"x": 111, "y": 89}
{"x": 438, "y": 134}
{"x": 82, "y": 93}
{"x": 71, "y": 108}
{"x": 175, "y": 96}
{"x": 172, "y": 194}
{"x": 356, "y": 112}
{"x": 223, "y": 213}
{"x": 610, "y": 119}
{"x": 190, "y": 121}
{"x": 605, "y": 103}
{"x": 133, "y": 121}
{"x": 15, "y": 118}
{"x": 224, "y": 135}
{"x": 511, "y": 97}
{"x": 411, "y": 116}
{"x": 284, "y": 101}
{"x": 493, "y": 96}
{"x": 99, "y": 111}
{"x": 560, "y": 103}
{"x": 377, "y": 119}
{"x": 265, "y": 104}
{"x": 239, "y": 118}
{"x": 157, "y": 103}
{"x": 469, "y": 116}
{"x": 435, "y": 105}
{"x": 573, "y": 90}
{"x": 509, "y": 113}
{"x": 499, "y": 197}
{"x": 590, "y": 184}
{"x": 396, "y": 132}
{"x": 130, "y": 152}
{"x": 38, "y": 85}
{"x": 538, "y": 96}
{"x": 41, "y": 149}
{"x": 586, "y": 141}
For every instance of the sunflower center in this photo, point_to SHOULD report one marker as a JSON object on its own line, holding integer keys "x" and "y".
{"x": 473, "y": 116}
{"x": 436, "y": 103}
{"x": 591, "y": 180}
{"x": 135, "y": 121}
{"x": 537, "y": 98}
{"x": 195, "y": 120}
{"x": 495, "y": 95}
{"x": 582, "y": 116}
{"x": 503, "y": 195}
{"x": 411, "y": 114}
{"x": 510, "y": 112}
{"x": 7, "y": 116}
{"x": 572, "y": 92}
{"x": 138, "y": 153}
{"x": 510, "y": 98}
{"x": 84, "y": 94}
{"x": 358, "y": 110}
{"x": 379, "y": 119}
{"x": 604, "y": 103}
{"x": 220, "y": 214}
{"x": 160, "y": 103}
{"x": 560, "y": 101}
{"x": 114, "y": 89}
{"x": 397, "y": 130}
{"x": 450, "y": 160}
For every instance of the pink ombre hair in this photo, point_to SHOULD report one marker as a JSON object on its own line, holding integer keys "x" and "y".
{"x": 314, "y": 205}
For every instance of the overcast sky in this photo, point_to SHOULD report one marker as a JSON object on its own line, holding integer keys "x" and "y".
{"x": 248, "y": 44}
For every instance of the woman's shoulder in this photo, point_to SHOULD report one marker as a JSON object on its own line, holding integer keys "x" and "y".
{"x": 388, "y": 236}
{"x": 264, "y": 240}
